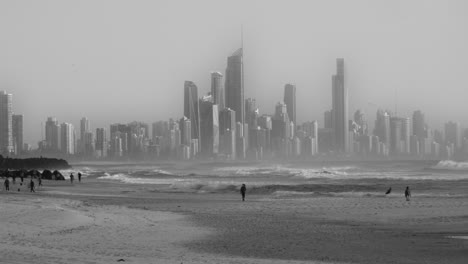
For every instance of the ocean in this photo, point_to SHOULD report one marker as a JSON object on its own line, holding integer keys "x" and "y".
{"x": 291, "y": 180}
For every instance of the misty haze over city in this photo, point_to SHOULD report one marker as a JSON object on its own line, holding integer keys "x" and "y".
{"x": 242, "y": 132}
{"x": 120, "y": 61}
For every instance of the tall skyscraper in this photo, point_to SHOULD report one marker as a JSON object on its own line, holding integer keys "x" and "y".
{"x": 251, "y": 113}
{"x": 340, "y": 108}
{"x": 234, "y": 86}
{"x": 191, "y": 109}
{"x": 217, "y": 90}
{"x": 67, "y": 137}
{"x": 101, "y": 142}
{"x": 419, "y": 130}
{"x": 52, "y": 133}
{"x": 406, "y": 134}
{"x": 209, "y": 128}
{"x": 382, "y": 127}
{"x": 395, "y": 135}
{"x": 17, "y": 122}
{"x": 227, "y": 132}
{"x": 185, "y": 126}
{"x": 6, "y": 126}
{"x": 290, "y": 101}
{"x": 453, "y": 134}
{"x": 84, "y": 127}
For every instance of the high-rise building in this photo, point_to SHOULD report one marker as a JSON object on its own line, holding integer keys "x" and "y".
{"x": 6, "y": 126}
{"x": 251, "y": 112}
{"x": 340, "y": 108}
{"x": 227, "y": 132}
{"x": 185, "y": 126}
{"x": 234, "y": 85}
{"x": 382, "y": 127}
{"x": 17, "y": 122}
{"x": 395, "y": 135}
{"x": 84, "y": 128}
{"x": 290, "y": 101}
{"x": 101, "y": 142}
{"x": 67, "y": 137}
{"x": 453, "y": 134}
{"x": 420, "y": 130}
{"x": 191, "y": 109}
{"x": 52, "y": 133}
{"x": 327, "y": 119}
{"x": 217, "y": 90}
{"x": 311, "y": 130}
{"x": 406, "y": 134}
{"x": 209, "y": 115}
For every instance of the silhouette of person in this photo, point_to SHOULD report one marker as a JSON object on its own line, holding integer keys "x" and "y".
{"x": 7, "y": 184}
{"x": 39, "y": 180}
{"x": 31, "y": 185}
{"x": 407, "y": 193}
{"x": 388, "y": 191}
{"x": 79, "y": 176}
{"x": 71, "y": 177}
{"x": 243, "y": 189}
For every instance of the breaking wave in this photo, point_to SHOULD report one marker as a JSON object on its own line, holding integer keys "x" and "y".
{"x": 451, "y": 165}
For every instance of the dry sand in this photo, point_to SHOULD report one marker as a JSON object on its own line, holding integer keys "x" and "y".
{"x": 100, "y": 222}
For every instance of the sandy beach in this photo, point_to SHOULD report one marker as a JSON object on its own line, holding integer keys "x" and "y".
{"x": 103, "y": 222}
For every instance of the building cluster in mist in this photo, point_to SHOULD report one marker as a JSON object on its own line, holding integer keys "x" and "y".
{"x": 224, "y": 125}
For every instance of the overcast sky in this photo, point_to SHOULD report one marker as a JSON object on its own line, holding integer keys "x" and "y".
{"x": 119, "y": 61}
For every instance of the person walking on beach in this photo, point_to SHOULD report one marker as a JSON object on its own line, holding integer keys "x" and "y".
{"x": 71, "y": 177}
{"x": 31, "y": 186}
{"x": 39, "y": 181}
{"x": 243, "y": 189}
{"x": 407, "y": 193}
{"x": 7, "y": 184}
{"x": 79, "y": 177}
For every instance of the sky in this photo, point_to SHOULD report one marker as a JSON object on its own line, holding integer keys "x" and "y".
{"x": 119, "y": 61}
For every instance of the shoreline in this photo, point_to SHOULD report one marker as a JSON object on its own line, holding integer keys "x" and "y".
{"x": 264, "y": 229}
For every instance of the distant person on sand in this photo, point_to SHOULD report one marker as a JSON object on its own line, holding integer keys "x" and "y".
{"x": 388, "y": 191}
{"x": 407, "y": 193}
{"x": 31, "y": 185}
{"x": 71, "y": 177}
{"x": 7, "y": 184}
{"x": 79, "y": 177}
{"x": 39, "y": 181}
{"x": 243, "y": 189}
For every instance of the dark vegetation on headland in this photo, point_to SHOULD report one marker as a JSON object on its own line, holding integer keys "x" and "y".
{"x": 18, "y": 168}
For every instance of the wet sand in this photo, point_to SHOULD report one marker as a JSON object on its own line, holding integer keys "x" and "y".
{"x": 101, "y": 222}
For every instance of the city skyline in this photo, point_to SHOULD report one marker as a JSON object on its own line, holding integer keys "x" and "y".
{"x": 72, "y": 77}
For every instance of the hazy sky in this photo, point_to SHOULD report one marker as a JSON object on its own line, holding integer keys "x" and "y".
{"x": 119, "y": 61}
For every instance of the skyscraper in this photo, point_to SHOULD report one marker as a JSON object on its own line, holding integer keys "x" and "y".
{"x": 84, "y": 128}
{"x": 191, "y": 109}
{"x": 52, "y": 133}
{"x": 217, "y": 90}
{"x": 406, "y": 134}
{"x": 340, "y": 108}
{"x": 17, "y": 122}
{"x": 251, "y": 113}
{"x": 227, "y": 132}
{"x": 6, "y": 126}
{"x": 67, "y": 139}
{"x": 234, "y": 86}
{"x": 101, "y": 142}
{"x": 382, "y": 127}
{"x": 419, "y": 130}
{"x": 453, "y": 134}
{"x": 290, "y": 101}
{"x": 209, "y": 128}
{"x": 395, "y": 135}
{"x": 185, "y": 125}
